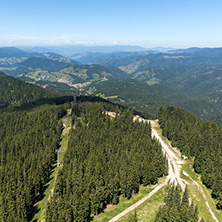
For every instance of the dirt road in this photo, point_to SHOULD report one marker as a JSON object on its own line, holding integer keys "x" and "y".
{"x": 173, "y": 174}
{"x": 174, "y": 162}
{"x": 117, "y": 217}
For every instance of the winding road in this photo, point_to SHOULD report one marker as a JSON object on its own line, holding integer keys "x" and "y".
{"x": 174, "y": 163}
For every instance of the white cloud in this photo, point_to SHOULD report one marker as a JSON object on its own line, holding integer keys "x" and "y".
{"x": 68, "y": 42}
{"x": 31, "y": 40}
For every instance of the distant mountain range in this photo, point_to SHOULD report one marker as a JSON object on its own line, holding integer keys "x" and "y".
{"x": 188, "y": 78}
{"x": 193, "y": 71}
{"x": 156, "y": 59}
{"x": 148, "y": 98}
{"x": 14, "y": 61}
{"x": 68, "y": 50}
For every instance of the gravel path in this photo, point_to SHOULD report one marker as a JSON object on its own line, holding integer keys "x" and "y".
{"x": 174, "y": 162}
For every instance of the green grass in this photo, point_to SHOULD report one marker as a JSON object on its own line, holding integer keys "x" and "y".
{"x": 159, "y": 131}
{"x": 197, "y": 196}
{"x": 42, "y": 204}
{"x": 146, "y": 212}
{"x": 114, "y": 210}
{"x": 111, "y": 97}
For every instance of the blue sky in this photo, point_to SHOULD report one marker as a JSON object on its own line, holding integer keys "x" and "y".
{"x": 147, "y": 23}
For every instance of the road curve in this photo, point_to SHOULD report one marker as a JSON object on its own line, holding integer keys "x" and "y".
{"x": 174, "y": 164}
{"x": 173, "y": 172}
{"x": 176, "y": 161}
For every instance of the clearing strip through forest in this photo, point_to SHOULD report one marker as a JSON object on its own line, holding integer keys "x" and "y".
{"x": 40, "y": 216}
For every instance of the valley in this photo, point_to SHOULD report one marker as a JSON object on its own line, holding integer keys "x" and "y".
{"x": 117, "y": 166}
{"x": 111, "y": 111}
{"x": 190, "y": 79}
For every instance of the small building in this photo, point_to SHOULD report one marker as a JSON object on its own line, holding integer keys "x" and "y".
{"x": 184, "y": 157}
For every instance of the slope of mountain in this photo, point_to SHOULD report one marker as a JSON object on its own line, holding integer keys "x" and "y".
{"x": 11, "y": 57}
{"x": 43, "y": 64}
{"x": 106, "y": 157}
{"x": 136, "y": 94}
{"x": 147, "y": 98}
{"x": 69, "y": 50}
{"x": 198, "y": 82}
{"x": 210, "y": 56}
{"x": 55, "y": 86}
{"x": 12, "y": 52}
{"x": 199, "y": 139}
{"x": 16, "y": 92}
{"x": 36, "y": 63}
{"x": 59, "y": 58}
{"x": 76, "y": 75}
{"x": 163, "y": 65}
{"x": 94, "y": 71}
{"x": 207, "y": 107}
{"x": 106, "y": 59}
{"x": 193, "y": 72}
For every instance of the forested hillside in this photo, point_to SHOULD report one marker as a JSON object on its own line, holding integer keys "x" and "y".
{"x": 28, "y": 139}
{"x": 199, "y": 139}
{"x": 16, "y": 92}
{"x": 199, "y": 81}
{"x": 135, "y": 94}
{"x": 76, "y": 76}
{"x": 106, "y": 157}
{"x": 7, "y": 52}
{"x": 208, "y": 106}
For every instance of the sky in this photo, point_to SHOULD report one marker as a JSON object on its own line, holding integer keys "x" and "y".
{"x": 146, "y": 23}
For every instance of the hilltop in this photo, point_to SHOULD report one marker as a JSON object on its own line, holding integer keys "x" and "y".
{"x": 76, "y": 75}
{"x": 17, "y": 92}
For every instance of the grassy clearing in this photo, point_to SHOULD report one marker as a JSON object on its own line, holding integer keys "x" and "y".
{"x": 114, "y": 210}
{"x": 197, "y": 196}
{"x": 42, "y": 204}
{"x": 147, "y": 210}
{"x": 111, "y": 97}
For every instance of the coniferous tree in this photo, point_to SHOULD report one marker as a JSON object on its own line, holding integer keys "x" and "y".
{"x": 196, "y": 138}
{"x": 177, "y": 206}
{"x": 106, "y": 157}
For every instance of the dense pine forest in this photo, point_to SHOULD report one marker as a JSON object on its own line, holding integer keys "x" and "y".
{"x": 177, "y": 206}
{"x": 199, "y": 139}
{"x": 16, "y": 92}
{"x": 106, "y": 157}
{"x": 28, "y": 139}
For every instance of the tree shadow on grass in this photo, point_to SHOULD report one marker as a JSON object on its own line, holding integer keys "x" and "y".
{"x": 35, "y": 208}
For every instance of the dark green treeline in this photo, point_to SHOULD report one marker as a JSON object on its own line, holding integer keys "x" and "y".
{"x": 28, "y": 139}
{"x": 106, "y": 157}
{"x": 177, "y": 207}
{"x": 199, "y": 139}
